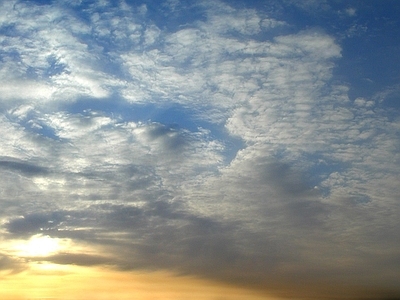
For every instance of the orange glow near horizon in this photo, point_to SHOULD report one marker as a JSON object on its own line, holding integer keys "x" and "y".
{"x": 51, "y": 281}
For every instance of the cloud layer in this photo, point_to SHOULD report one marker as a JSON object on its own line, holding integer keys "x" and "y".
{"x": 266, "y": 172}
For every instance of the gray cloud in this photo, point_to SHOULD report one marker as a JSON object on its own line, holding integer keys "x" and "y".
{"x": 80, "y": 259}
{"x": 34, "y": 223}
{"x": 22, "y": 167}
{"x": 171, "y": 139}
{"x": 8, "y": 263}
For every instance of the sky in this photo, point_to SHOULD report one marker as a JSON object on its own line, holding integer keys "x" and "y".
{"x": 201, "y": 150}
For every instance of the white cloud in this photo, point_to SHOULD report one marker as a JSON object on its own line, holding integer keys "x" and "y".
{"x": 272, "y": 94}
{"x": 351, "y": 11}
{"x": 51, "y": 62}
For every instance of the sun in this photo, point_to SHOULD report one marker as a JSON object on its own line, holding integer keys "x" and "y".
{"x": 38, "y": 245}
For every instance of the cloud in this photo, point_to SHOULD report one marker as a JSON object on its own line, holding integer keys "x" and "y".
{"x": 351, "y": 11}
{"x": 308, "y": 187}
{"x": 311, "y": 6}
{"x": 8, "y": 263}
{"x": 34, "y": 223}
{"x": 50, "y": 62}
{"x": 79, "y": 259}
{"x": 21, "y": 167}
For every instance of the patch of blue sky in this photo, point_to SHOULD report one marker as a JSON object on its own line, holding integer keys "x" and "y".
{"x": 171, "y": 115}
{"x": 45, "y": 131}
{"x": 42, "y": 2}
{"x": 56, "y": 67}
{"x": 9, "y": 30}
{"x": 368, "y": 36}
{"x": 370, "y": 49}
{"x": 392, "y": 99}
{"x": 365, "y": 64}
{"x": 34, "y": 125}
{"x": 12, "y": 55}
{"x": 172, "y": 16}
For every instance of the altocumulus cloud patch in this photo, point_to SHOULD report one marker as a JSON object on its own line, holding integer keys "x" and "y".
{"x": 221, "y": 140}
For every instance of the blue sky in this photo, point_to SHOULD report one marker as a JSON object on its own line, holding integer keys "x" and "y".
{"x": 254, "y": 143}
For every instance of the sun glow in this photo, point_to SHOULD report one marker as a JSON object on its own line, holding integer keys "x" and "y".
{"x": 99, "y": 283}
{"x": 38, "y": 245}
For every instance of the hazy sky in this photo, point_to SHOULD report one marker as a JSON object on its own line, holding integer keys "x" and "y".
{"x": 208, "y": 150}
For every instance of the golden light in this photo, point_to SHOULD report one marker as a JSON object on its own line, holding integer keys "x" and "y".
{"x": 100, "y": 283}
{"x": 38, "y": 245}
{"x": 43, "y": 278}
